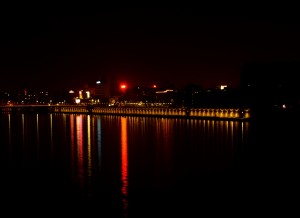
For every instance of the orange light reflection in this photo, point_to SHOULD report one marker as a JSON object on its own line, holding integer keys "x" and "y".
{"x": 124, "y": 161}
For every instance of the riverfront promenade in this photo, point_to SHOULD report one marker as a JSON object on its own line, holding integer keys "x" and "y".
{"x": 209, "y": 113}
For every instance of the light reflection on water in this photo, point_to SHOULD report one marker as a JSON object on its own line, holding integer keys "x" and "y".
{"x": 89, "y": 153}
{"x": 124, "y": 162}
{"x": 99, "y": 143}
{"x": 120, "y": 163}
{"x": 80, "y": 155}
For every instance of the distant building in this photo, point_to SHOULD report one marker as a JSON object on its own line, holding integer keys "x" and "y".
{"x": 165, "y": 97}
{"x": 103, "y": 89}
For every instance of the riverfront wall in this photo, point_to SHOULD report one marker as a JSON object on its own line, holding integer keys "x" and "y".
{"x": 214, "y": 113}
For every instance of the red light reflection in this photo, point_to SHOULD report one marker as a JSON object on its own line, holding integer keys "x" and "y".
{"x": 124, "y": 161}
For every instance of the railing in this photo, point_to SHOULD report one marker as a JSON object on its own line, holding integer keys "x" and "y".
{"x": 213, "y": 113}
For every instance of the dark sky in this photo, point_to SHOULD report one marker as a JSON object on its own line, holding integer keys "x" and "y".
{"x": 139, "y": 46}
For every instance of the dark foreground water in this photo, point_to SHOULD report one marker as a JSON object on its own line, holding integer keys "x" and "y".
{"x": 113, "y": 166}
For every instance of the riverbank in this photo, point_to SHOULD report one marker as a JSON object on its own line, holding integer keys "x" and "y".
{"x": 193, "y": 113}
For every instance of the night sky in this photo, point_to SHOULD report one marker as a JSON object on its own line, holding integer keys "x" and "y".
{"x": 139, "y": 46}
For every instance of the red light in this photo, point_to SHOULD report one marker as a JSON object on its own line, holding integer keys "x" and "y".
{"x": 154, "y": 86}
{"x": 123, "y": 86}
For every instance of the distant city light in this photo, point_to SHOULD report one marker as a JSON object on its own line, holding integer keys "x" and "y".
{"x": 223, "y": 86}
{"x": 77, "y": 100}
{"x": 98, "y": 82}
{"x": 88, "y": 94}
{"x": 71, "y": 91}
{"x": 154, "y": 86}
{"x": 165, "y": 91}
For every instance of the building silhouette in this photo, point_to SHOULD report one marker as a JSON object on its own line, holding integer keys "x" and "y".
{"x": 103, "y": 88}
{"x": 271, "y": 86}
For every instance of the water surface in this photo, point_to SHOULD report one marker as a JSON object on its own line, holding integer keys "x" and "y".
{"x": 121, "y": 166}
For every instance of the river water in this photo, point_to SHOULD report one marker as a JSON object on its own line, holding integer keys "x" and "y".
{"x": 118, "y": 166}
